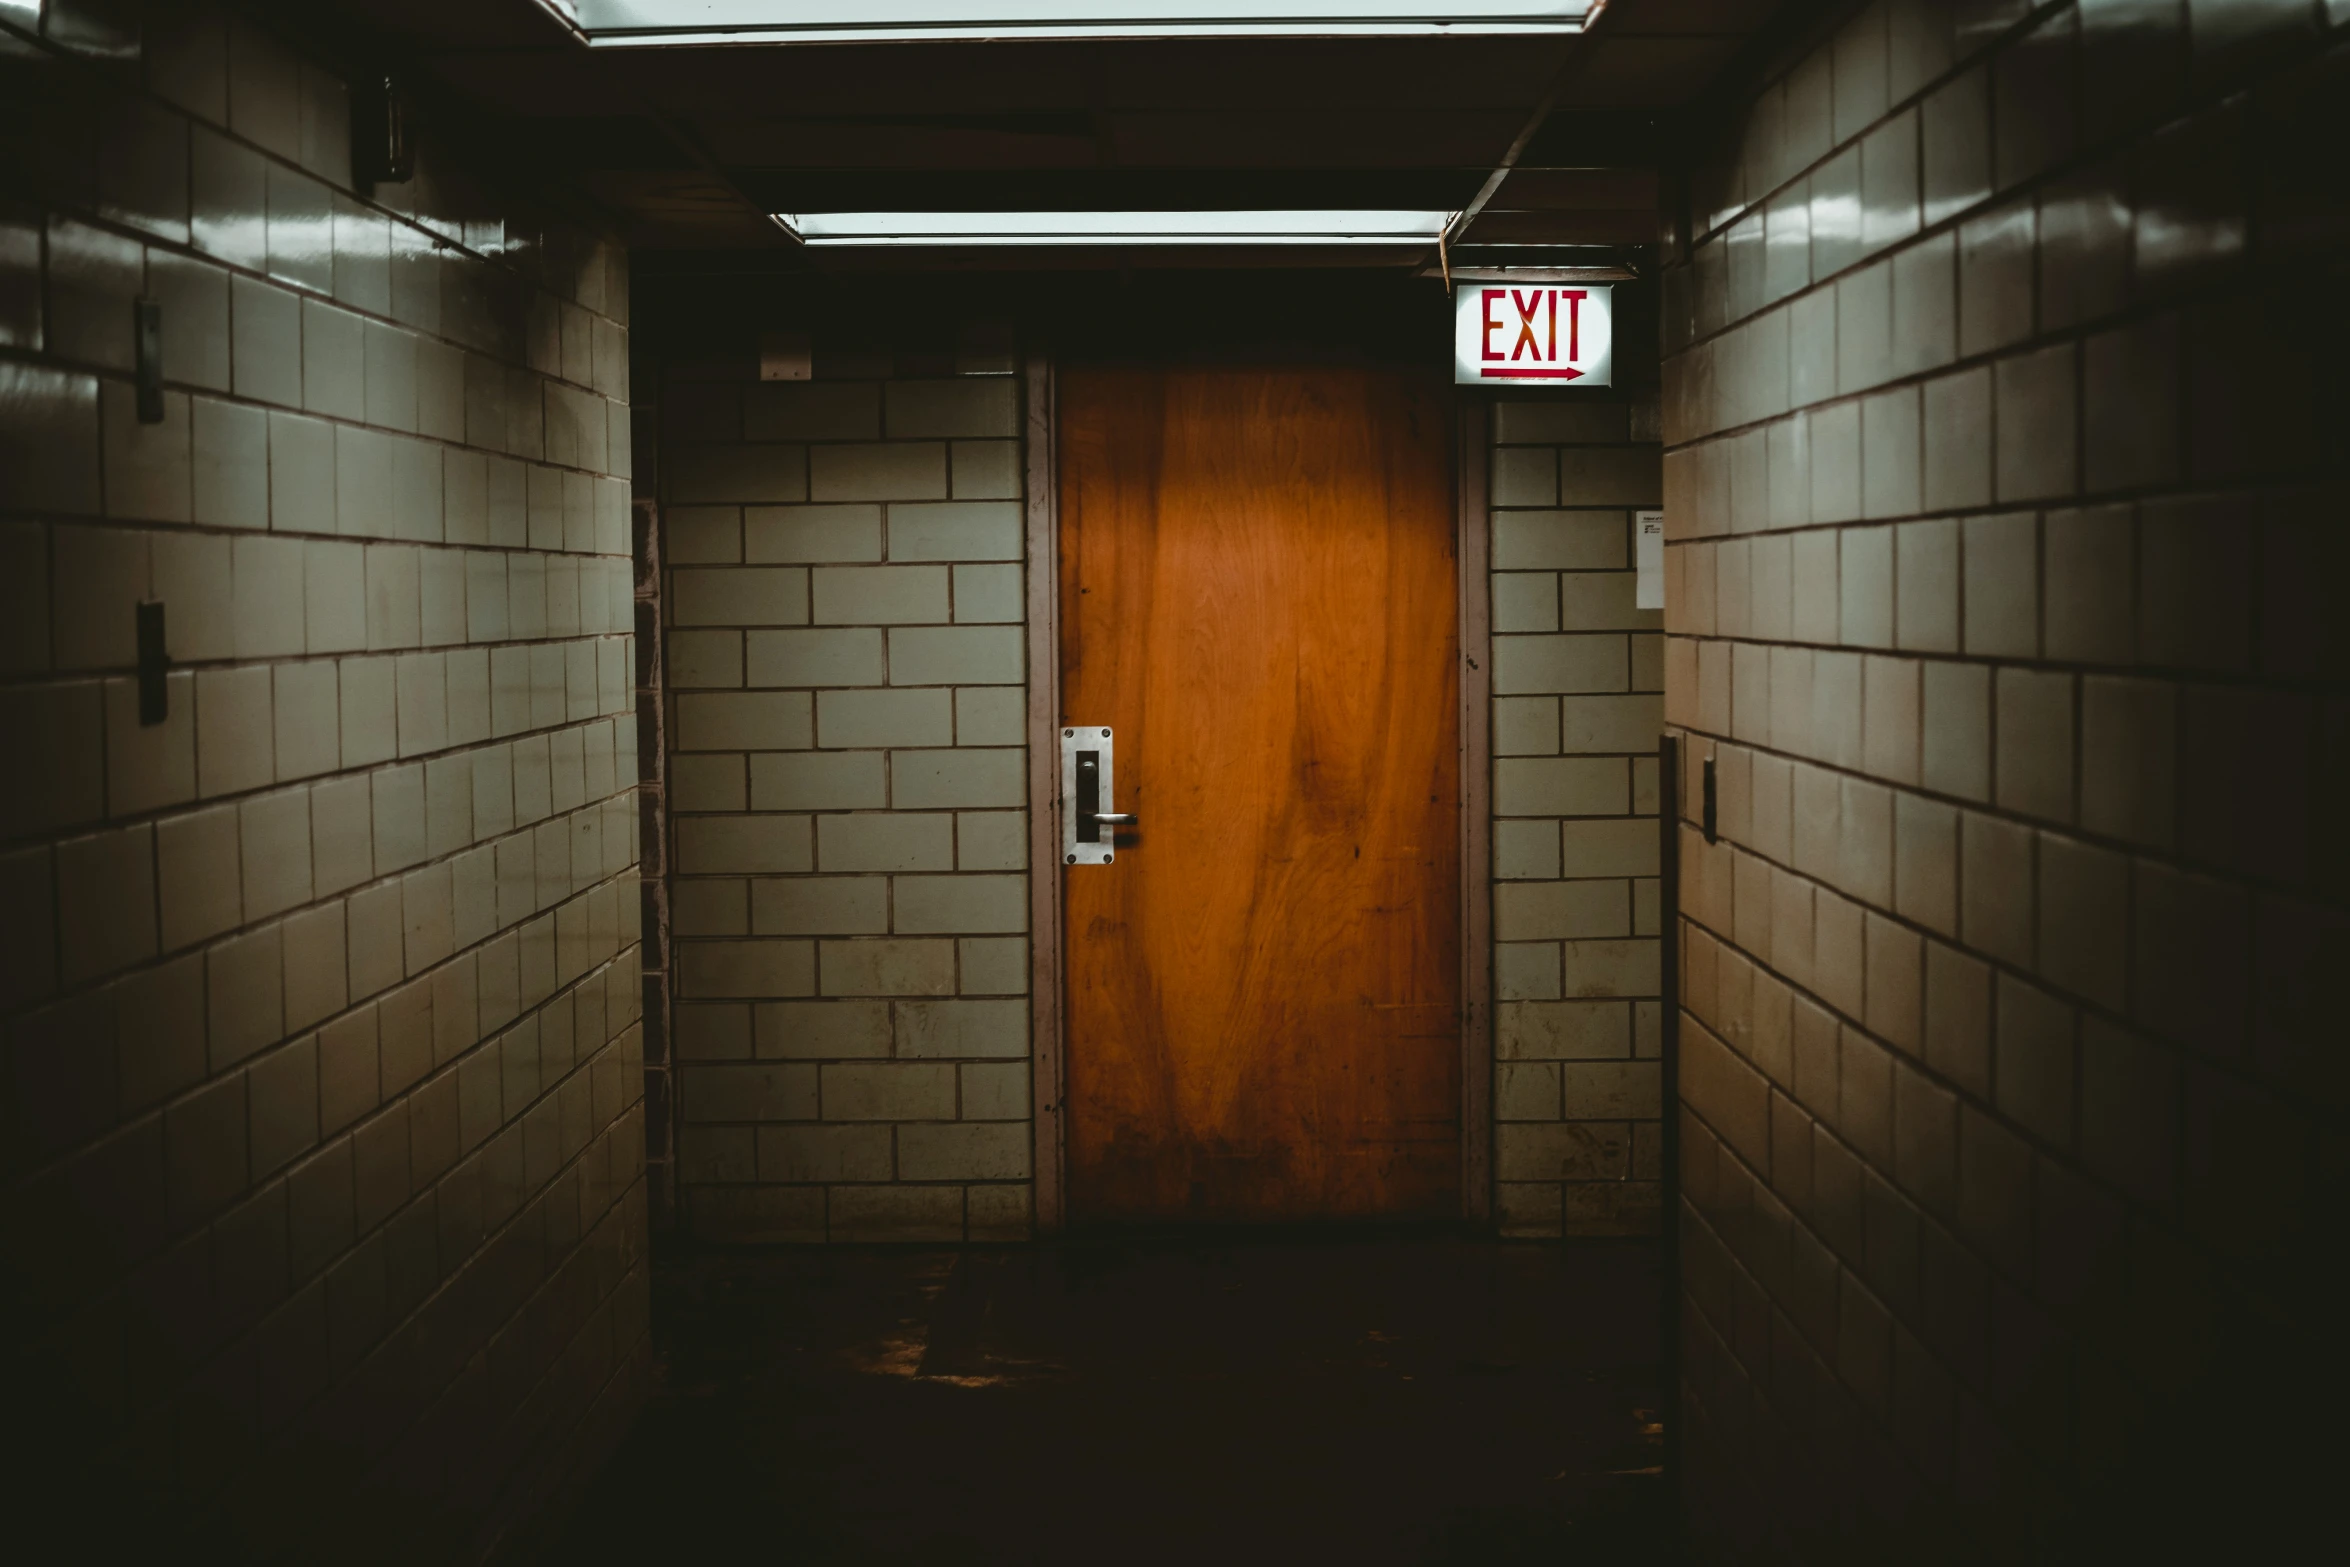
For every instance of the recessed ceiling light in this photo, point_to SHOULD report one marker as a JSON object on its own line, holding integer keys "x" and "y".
{"x": 641, "y": 23}
{"x": 1311, "y": 227}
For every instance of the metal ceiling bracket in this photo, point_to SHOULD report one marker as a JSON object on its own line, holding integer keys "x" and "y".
{"x": 1455, "y": 275}
{"x": 1597, "y": 24}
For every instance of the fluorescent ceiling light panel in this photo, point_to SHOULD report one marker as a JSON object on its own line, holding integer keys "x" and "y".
{"x": 639, "y": 23}
{"x": 1315, "y": 227}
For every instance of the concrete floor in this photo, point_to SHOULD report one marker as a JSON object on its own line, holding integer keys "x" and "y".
{"x": 1368, "y": 1399}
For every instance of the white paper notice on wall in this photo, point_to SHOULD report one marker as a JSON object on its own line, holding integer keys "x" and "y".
{"x": 1648, "y": 553}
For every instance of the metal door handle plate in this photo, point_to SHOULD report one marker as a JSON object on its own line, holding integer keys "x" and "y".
{"x": 1089, "y": 807}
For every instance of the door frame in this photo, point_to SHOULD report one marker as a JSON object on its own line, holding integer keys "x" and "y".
{"x": 1047, "y": 1014}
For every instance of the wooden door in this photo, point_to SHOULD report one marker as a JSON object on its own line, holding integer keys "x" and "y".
{"x": 1259, "y": 596}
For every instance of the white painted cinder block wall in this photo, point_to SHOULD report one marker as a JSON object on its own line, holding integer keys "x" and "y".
{"x": 2004, "y": 406}
{"x": 324, "y": 1146}
{"x": 1578, "y": 681}
{"x": 847, "y": 788}
{"x": 846, "y": 690}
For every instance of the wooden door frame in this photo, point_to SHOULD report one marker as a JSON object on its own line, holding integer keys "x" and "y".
{"x": 1047, "y": 1015}
{"x": 1471, "y": 546}
{"x": 1047, "y": 1010}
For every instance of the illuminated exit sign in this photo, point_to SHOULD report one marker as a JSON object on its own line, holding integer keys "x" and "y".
{"x": 1533, "y": 334}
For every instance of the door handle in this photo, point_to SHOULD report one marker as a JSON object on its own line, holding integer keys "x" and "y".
{"x": 1087, "y": 807}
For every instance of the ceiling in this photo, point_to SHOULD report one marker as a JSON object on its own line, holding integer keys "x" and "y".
{"x": 689, "y": 148}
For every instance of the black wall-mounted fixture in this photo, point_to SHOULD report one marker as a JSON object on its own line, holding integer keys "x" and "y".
{"x": 147, "y": 344}
{"x": 1709, "y": 799}
{"x": 154, "y": 691}
{"x": 381, "y": 151}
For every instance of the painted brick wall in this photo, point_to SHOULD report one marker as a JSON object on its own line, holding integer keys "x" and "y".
{"x": 847, "y": 790}
{"x": 1577, "y": 709}
{"x": 845, "y": 608}
{"x": 2005, "y": 478}
{"x": 323, "y": 1158}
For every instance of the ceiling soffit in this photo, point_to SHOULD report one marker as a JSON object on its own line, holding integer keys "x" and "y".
{"x": 689, "y": 147}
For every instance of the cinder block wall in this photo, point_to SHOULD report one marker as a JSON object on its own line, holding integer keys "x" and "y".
{"x": 1577, "y": 708}
{"x": 319, "y": 996}
{"x": 847, "y": 786}
{"x": 2005, "y": 474}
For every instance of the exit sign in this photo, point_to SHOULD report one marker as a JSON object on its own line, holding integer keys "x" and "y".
{"x": 1533, "y": 334}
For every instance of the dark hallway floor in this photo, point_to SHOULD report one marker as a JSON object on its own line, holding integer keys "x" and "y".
{"x": 1395, "y": 1399}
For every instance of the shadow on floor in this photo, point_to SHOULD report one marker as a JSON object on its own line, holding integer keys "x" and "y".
{"x": 1369, "y": 1399}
